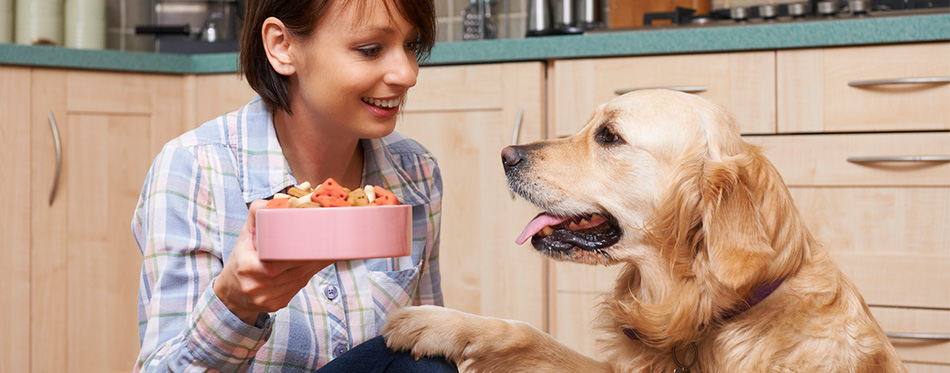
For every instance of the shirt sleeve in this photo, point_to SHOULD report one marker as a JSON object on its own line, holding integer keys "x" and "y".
{"x": 183, "y": 326}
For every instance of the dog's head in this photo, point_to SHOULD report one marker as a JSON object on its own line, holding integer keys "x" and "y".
{"x": 657, "y": 178}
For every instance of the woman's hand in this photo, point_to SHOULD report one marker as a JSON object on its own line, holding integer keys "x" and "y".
{"x": 249, "y": 286}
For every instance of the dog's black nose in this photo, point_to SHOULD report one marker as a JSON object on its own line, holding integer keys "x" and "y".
{"x": 511, "y": 156}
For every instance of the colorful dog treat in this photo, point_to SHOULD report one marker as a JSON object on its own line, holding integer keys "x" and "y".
{"x": 358, "y": 198}
{"x": 278, "y": 203}
{"x": 384, "y": 197}
{"x": 330, "y": 188}
{"x": 327, "y": 201}
{"x": 331, "y": 194}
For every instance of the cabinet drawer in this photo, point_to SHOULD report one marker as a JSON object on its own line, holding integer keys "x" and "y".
{"x": 827, "y": 90}
{"x": 823, "y": 160}
{"x": 893, "y": 243}
{"x": 927, "y": 323}
{"x": 743, "y": 82}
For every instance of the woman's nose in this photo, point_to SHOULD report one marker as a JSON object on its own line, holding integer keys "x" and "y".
{"x": 403, "y": 70}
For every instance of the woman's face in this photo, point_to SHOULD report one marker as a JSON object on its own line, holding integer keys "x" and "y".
{"x": 354, "y": 71}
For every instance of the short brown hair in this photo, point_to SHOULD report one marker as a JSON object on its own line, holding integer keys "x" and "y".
{"x": 301, "y": 18}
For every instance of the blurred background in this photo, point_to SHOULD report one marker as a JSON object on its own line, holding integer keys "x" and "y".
{"x": 209, "y": 26}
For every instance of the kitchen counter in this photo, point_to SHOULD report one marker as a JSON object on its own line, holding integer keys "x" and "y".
{"x": 668, "y": 40}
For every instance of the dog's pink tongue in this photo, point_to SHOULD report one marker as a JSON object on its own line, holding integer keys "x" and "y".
{"x": 537, "y": 224}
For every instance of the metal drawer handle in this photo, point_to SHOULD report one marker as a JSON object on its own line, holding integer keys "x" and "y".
{"x": 687, "y": 89}
{"x": 514, "y": 138}
{"x": 59, "y": 158}
{"x": 906, "y": 158}
{"x": 928, "y": 80}
{"x": 934, "y": 336}
{"x": 517, "y": 131}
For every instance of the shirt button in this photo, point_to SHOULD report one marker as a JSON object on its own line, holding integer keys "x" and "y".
{"x": 340, "y": 349}
{"x": 330, "y": 292}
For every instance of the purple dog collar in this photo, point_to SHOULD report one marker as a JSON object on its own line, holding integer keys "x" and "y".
{"x": 758, "y": 295}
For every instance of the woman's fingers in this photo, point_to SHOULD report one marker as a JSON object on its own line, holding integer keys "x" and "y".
{"x": 248, "y": 285}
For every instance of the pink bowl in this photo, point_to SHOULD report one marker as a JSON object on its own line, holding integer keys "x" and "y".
{"x": 334, "y": 233}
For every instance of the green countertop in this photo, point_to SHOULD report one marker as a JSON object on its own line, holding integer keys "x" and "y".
{"x": 670, "y": 40}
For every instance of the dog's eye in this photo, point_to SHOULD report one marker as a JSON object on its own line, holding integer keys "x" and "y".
{"x": 607, "y": 136}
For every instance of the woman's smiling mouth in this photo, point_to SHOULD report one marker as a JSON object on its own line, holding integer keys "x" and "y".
{"x": 383, "y": 103}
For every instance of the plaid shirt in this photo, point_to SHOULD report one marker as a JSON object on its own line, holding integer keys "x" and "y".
{"x": 191, "y": 210}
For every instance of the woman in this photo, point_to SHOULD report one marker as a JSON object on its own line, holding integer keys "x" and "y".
{"x": 331, "y": 76}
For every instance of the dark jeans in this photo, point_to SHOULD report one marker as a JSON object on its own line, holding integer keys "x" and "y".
{"x": 373, "y": 356}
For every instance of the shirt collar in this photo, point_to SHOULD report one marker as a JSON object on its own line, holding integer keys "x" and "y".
{"x": 264, "y": 169}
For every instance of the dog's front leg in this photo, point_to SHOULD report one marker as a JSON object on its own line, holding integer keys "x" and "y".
{"x": 482, "y": 344}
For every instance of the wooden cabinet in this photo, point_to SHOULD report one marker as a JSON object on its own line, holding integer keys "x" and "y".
{"x": 85, "y": 266}
{"x": 859, "y": 89}
{"x": 742, "y": 81}
{"x": 15, "y": 311}
{"x": 851, "y": 117}
{"x": 214, "y": 95}
{"x": 465, "y": 115}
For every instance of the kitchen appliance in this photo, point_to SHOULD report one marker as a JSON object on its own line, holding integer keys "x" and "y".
{"x": 477, "y": 22}
{"x": 539, "y": 18}
{"x": 814, "y": 10}
{"x": 194, "y": 26}
{"x": 589, "y": 14}
{"x": 561, "y": 17}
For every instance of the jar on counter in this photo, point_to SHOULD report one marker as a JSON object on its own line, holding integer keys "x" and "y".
{"x": 39, "y": 22}
{"x": 85, "y": 25}
{"x": 6, "y": 21}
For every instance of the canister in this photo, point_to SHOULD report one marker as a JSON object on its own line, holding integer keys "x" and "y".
{"x": 39, "y": 22}
{"x": 6, "y": 21}
{"x": 85, "y": 25}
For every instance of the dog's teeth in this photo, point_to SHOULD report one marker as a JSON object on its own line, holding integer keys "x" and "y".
{"x": 583, "y": 223}
{"x": 572, "y": 226}
{"x": 547, "y": 231}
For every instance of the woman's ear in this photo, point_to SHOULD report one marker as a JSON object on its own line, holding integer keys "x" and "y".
{"x": 277, "y": 44}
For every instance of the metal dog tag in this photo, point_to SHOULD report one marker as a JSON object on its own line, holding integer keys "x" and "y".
{"x": 681, "y": 370}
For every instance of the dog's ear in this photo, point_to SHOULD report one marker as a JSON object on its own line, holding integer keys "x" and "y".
{"x": 737, "y": 245}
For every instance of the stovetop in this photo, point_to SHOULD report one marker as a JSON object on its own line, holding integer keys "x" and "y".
{"x": 811, "y": 11}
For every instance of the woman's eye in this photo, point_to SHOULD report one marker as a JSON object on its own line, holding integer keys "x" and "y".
{"x": 607, "y": 136}
{"x": 369, "y": 51}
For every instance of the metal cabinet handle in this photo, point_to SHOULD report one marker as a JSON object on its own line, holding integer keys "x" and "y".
{"x": 517, "y": 131}
{"x": 906, "y": 158}
{"x": 932, "y": 336}
{"x": 927, "y": 80}
{"x": 59, "y": 157}
{"x": 686, "y": 88}
{"x": 515, "y": 134}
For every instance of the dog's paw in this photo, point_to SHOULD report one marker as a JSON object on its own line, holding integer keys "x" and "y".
{"x": 428, "y": 331}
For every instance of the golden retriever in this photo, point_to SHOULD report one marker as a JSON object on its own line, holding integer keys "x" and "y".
{"x": 720, "y": 272}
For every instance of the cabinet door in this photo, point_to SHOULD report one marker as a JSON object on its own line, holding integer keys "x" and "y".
{"x": 15, "y": 219}
{"x": 742, "y": 82}
{"x": 859, "y": 89}
{"x": 215, "y": 95}
{"x": 885, "y": 223}
{"x": 86, "y": 266}
{"x": 465, "y": 115}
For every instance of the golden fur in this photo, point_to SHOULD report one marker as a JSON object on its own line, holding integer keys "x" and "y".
{"x": 706, "y": 219}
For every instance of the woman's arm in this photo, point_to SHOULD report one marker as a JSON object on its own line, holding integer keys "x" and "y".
{"x": 182, "y": 323}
